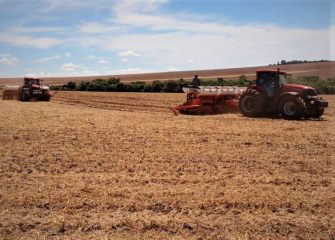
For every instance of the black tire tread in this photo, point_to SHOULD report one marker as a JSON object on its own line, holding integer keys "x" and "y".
{"x": 259, "y": 103}
{"x": 300, "y": 105}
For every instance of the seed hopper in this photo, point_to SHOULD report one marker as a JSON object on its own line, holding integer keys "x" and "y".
{"x": 210, "y": 99}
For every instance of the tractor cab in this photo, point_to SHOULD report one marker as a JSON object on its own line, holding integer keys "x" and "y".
{"x": 31, "y": 83}
{"x": 269, "y": 80}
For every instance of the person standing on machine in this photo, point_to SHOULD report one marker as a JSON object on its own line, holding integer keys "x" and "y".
{"x": 196, "y": 81}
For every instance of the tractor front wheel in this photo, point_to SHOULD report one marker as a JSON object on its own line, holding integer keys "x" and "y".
{"x": 46, "y": 97}
{"x": 251, "y": 103}
{"x": 292, "y": 108}
{"x": 315, "y": 113}
{"x": 25, "y": 97}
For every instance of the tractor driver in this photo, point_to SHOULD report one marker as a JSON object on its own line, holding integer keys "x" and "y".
{"x": 196, "y": 81}
{"x": 267, "y": 80}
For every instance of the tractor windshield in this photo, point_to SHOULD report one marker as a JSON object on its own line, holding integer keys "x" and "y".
{"x": 29, "y": 81}
{"x": 35, "y": 81}
{"x": 282, "y": 79}
{"x": 266, "y": 80}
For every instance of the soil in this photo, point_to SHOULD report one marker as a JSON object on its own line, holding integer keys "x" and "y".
{"x": 122, "y": 166}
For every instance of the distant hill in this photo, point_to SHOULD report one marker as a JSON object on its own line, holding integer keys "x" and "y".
{"x": 324, "y": 70}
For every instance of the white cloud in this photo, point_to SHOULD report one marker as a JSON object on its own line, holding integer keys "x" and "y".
{"x": 88, "y": 41}
{"x": 129, "y": 71}
{"x": 9, "y": 60}
{"x": 87, "y": 72}
{"x": 144, "y": 6}
{"x": 129, "y": 53}
{"x": 69, "y": 67}
{"x": 172, "y": 69}
{"x": 47, "y": 59}
{"x": 213, "y": 43}
{"x": 94, "y": 28}
{"x": 103, "y": 62}
{"x": 36, "y": 75}
{"x": 83, "y": 72}
{"x": 332, "y": 38}
{"x": 101, "y": 59}
{"x": 49, "y": 6}
{"x": 91, "y": 57}
{"x": 135, "y": 14}
{"x": 28, "y": 41}
{"x": 244, "y": 46}
{"x": 139, "y": 31}
{"x": 21, "y": 30}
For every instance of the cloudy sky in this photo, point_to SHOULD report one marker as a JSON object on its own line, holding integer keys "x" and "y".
{"x": 52, "y": 38}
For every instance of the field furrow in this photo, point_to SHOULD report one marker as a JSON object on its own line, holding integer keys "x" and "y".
{"x": 122, "y": 166}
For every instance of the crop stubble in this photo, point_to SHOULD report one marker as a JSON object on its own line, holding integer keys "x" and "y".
{"x": 121, "y": 165}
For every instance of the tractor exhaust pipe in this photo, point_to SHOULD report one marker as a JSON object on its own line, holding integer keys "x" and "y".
{"x": 276, "y": 85}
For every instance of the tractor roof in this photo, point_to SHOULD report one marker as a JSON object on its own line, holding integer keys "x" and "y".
{"x": 270, "y": 70}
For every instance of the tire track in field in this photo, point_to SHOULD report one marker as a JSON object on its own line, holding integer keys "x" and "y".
{"x": 119, "y": 104}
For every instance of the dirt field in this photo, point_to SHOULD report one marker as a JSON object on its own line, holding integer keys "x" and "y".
{"x": 324, "y": 70}
{"x": 122, "y": 166}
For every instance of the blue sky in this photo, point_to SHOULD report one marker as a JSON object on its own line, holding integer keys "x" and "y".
{"x": 64, "y": 38}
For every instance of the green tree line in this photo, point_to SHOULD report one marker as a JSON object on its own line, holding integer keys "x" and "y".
{"x": 176, "y": 86}
{"x": 284, "y": 62}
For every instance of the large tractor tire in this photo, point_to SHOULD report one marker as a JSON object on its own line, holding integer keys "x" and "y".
{"x": 25, "y": 97}
{"x": 316, "y": 113}
{"x": 251, "y": 103}
{"x": 46, "y": 97}
{"x": 292, "y": 108}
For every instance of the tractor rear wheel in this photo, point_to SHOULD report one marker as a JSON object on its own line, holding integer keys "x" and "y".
{"x": 251, "y": 103}
{"x": 292, "y": 108}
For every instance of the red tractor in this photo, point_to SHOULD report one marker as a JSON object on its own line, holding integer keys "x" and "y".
{"x": 31, "y": 90}
{"x": 271, "y": 93}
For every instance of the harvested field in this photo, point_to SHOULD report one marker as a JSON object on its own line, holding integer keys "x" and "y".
{"x": 122, "y": 166}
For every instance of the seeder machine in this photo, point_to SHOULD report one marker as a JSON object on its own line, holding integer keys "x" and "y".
{"x": 210, "y": 99}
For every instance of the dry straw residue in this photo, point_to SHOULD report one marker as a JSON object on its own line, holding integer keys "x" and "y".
{"x": 122, "y": 166}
